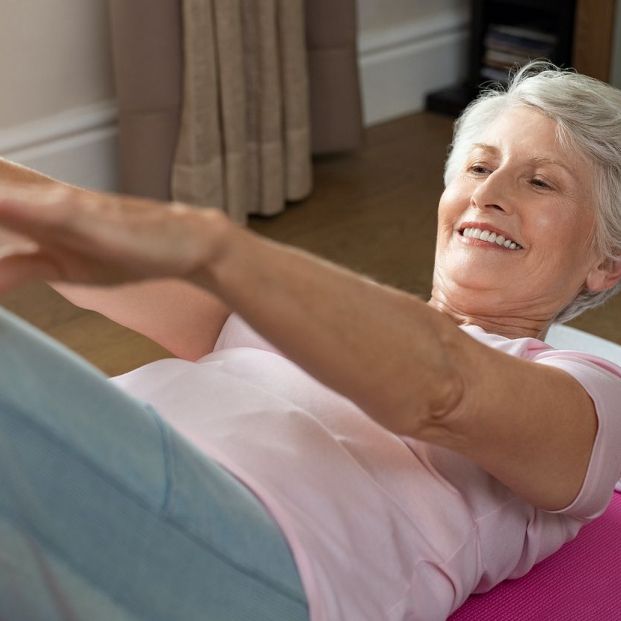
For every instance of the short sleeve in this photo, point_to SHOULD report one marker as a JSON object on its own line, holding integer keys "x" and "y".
{"x": 602, "y": 381}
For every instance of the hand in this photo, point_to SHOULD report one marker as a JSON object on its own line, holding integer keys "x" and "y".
{"x": 72, "y": 235}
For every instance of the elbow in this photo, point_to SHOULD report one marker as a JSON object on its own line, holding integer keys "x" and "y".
{"x": 436, "y": 395}
{"x": 447, "y": 399}
{"x": 424, "y": 416}
{"x": 419, "y": 408}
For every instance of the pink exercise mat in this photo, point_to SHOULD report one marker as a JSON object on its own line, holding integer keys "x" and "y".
{"x": 580, "y": 582}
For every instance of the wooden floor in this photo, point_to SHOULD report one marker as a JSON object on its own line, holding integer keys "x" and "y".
{"x": 373, "y": 210}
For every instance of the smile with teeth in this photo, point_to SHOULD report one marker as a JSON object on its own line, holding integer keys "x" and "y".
{"x": 492, "y": 238}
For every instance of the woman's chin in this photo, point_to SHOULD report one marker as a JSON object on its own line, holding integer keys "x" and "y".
{"x": 478, "y": 272}
{"x": 474, "y": 277}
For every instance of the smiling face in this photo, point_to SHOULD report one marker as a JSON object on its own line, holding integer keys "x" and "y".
{"x": 515, "y": 227}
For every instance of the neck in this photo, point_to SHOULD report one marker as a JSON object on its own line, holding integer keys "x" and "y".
{"x": 509, "y": 326}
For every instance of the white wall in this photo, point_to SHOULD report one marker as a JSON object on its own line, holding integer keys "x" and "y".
{"x": 58, "y": 57}
{"x": 57, "y": 110}
{"x": 408, "y": 48}
{"x": 382, "y": 14}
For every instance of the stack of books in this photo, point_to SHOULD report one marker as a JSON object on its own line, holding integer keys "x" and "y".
{"x": 509, "y": 47}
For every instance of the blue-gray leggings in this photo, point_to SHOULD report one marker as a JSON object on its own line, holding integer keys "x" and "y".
{"x": 107, "y": 514}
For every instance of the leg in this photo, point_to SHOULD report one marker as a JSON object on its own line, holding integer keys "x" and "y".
{"x": 106, "y": 513}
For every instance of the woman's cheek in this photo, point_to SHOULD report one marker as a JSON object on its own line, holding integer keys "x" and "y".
{"x": 454, "y": 200}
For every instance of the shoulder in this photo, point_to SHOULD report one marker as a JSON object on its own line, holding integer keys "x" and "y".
{"x": 531, "y": 415}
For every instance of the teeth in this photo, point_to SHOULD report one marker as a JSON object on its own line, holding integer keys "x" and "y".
{"x": 491, "y": 237}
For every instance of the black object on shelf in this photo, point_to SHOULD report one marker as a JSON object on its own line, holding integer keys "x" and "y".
{"x": 505, "y": 34}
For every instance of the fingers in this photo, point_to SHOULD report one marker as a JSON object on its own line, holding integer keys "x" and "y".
{"x": 62, "y": 217}
{"x": 17, "y": 198}
{"x": 31, "y": 210}
{"x": 74, "y": 216}
{"x": 12, "y": 243}
{"x": 102, "y": 239}
{"x": 24, "y": 214}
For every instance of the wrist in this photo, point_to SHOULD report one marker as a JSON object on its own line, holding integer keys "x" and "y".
{"x": 216, "y": 232}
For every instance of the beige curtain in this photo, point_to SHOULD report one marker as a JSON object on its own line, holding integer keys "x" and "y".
{"x": 244, "y": 140}
{"x": 213, "y": 97}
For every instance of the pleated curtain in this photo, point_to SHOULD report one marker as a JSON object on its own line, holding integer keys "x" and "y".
{"x": 244, "y": 140}
{"x": 222, "y": 102}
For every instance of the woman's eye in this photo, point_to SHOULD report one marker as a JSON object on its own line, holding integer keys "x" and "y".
{"x": 540, "y": 183}
{"x": 478, "y": 169}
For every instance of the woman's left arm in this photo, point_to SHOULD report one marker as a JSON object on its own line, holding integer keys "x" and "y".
{"x": 412, "y": 369}
{"x": 405, "y": 364}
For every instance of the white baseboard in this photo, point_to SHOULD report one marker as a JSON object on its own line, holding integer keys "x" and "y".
{"x": 400, "y": 65}
{"x": 78, "y": 146}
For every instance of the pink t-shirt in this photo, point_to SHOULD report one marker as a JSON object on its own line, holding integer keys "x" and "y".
{"x": 381, "y": 526}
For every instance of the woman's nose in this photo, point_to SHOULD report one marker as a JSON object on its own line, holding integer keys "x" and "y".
{"x": 493, "y": 192}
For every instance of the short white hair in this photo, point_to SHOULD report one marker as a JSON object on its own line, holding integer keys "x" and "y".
{"x": 588, "y": 117}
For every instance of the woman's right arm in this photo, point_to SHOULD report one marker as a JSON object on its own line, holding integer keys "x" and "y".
{"x": 183, "y": 318}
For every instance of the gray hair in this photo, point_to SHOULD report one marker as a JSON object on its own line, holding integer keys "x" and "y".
{"x": 588, "y": 117}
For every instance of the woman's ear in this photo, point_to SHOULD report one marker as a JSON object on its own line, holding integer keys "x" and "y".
{"x": 604, "y": 276}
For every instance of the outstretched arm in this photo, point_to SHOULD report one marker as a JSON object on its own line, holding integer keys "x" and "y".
{"x": 408, "y": 366}
{"x": 177, "y": 315}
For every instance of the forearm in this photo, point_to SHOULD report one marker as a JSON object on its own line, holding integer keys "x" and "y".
{"x": 182, "y": 318}
{"x": 384, "y": 349}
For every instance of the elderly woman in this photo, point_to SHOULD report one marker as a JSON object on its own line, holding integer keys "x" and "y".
{"x": 322, "y": 447}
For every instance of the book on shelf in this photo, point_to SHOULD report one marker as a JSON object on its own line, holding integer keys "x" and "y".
{"x": 509, "y": 47}
{"x": 518, "y": 48}
{"x": 528, "y": 35}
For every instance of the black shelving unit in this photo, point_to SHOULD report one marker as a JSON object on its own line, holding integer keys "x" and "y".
{"x": 554, "y": 18}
